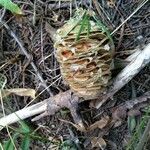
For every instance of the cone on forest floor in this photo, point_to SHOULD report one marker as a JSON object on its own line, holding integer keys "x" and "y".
{"x": 85, "y": 53}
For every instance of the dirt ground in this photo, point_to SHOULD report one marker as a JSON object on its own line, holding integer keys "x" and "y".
{"x": 32, "y": 32}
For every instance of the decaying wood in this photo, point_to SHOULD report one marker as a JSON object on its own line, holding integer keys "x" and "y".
{"x": 134, "y": 67}
{"x": 47, "y": 107}
{"x": 69, "y": 100}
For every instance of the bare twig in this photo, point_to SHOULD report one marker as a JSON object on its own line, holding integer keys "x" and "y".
{"x": 28, "y": 57}
{"x": 67, "y": 4}
{"x": 23, "y": 113}
{"x": 134, "y": 67}
{"x": 138, "y": 102}
{"x": 47, "y": 107}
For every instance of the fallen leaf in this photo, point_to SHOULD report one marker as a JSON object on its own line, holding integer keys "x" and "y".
{"x": 100, "y": 124}
{"x": 18, "y": 91}
{"x": 98, "y": 142}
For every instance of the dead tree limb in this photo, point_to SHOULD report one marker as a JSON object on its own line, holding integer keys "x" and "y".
{"x": 132, "y": 69}
{"x": 47, "y": 107}
{"x": 69, "y": 100}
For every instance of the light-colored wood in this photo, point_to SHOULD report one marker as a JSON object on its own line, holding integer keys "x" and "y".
{"x": 133, "y": 68}
{"x": 142, "y": 59}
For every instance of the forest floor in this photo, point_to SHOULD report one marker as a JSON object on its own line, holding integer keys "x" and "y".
{"x": 56, "y": 131}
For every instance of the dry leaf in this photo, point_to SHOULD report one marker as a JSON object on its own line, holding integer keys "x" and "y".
{"x": 100, "y": 124}
{"x": 18, "y": 91}
{"x": 118, "y": 115}
{"x": 98, "y": 142}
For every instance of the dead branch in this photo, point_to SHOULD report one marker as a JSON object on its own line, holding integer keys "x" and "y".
{"x": 69, "y": 100}
{"x": 23, "y": 114}
{"x": 47, "y": 107}
{"x": 132, "y": 69}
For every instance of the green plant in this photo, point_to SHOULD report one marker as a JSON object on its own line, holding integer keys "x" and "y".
{"x": 138, "y": 130}
{"x": 68, "y": 145}
{"x": 24, "y": 134}
{"x": 8, "y": 4}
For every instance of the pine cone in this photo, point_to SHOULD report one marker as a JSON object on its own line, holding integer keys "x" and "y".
{"x": 86, "y": 62}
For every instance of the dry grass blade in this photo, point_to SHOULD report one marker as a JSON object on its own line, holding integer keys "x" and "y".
{"x": 142, "y": 4}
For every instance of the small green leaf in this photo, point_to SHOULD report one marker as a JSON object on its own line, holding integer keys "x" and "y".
{"x": 83, "y": 22}
{"x": 68, "y": 145}
{"x": 25, "y": 143}
{"x": 88, "y": 26}
{"x": 24, "y": 128}
{"x": 8, "y": 4}
{"x": 104, "y": 29}
{"x": 8, "y": 145}
{"x": 131, "y": 123}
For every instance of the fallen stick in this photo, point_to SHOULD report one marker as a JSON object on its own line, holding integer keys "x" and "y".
{"x": 47, "y": 107}
{"x": 64, "y": 99}
{"x": 23, "y": 114}
{"x": 132, "y": 69}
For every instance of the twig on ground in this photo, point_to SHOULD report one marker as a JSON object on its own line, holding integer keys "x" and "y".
{"x": 66, "y": 99}
{"x": 23, "y": 114}
{"x": 142, "y": 4}
{"x": 70, "y": 101}
{"x": 28, "y": 57}
{"x": 47, "y": 107}
{"x": 138, "y": 102}
{"x": 101, "y": 14}
{"x": 134, "y": 67}
{"x": 67, "y": 4}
